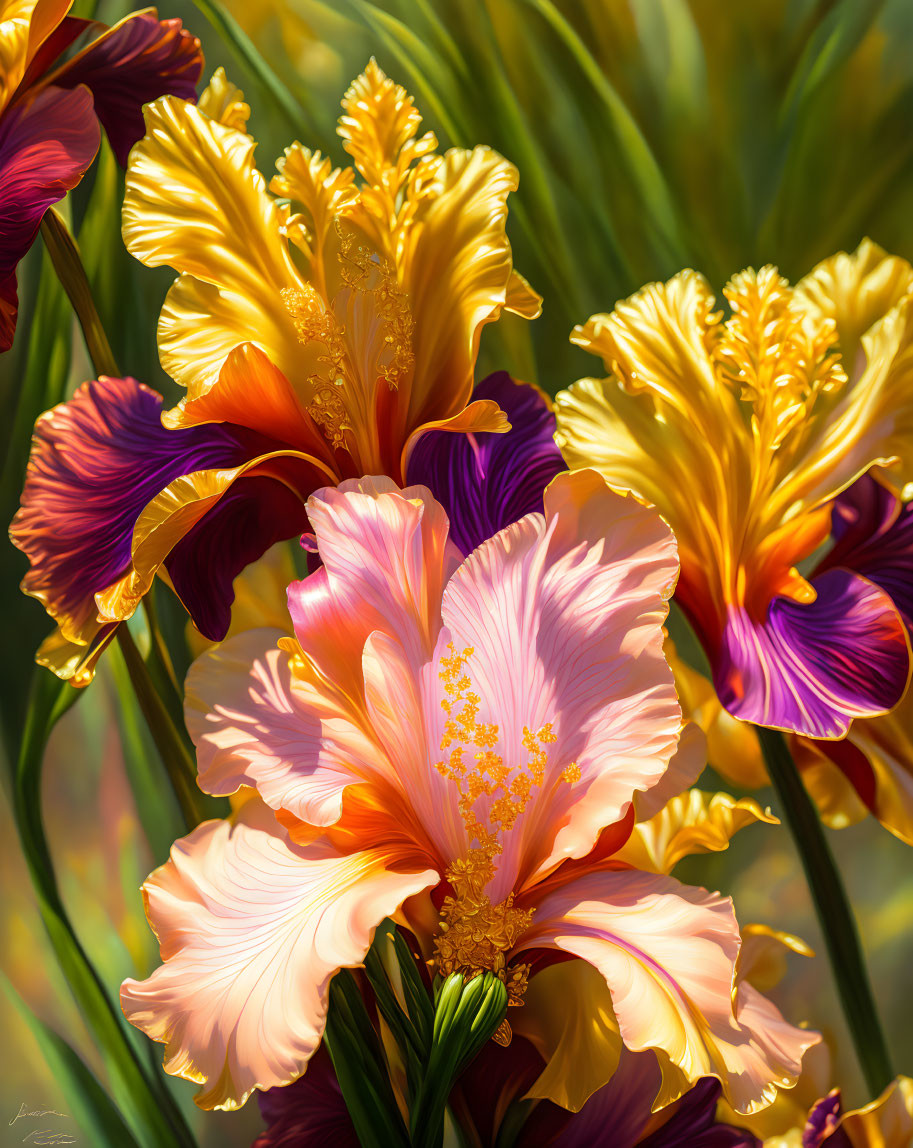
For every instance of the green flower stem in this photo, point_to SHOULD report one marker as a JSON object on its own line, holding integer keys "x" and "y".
{"x": 173, "y": 748}
{"x": 834, "y": 912}
{"x": 65, "y": 256}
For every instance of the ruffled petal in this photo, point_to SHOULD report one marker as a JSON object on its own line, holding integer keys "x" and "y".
{"x": 486, "y": 482}
{"x": 813, "y": 668}
{"x": 191, "y": 177}
{"x": 252, "y": 928}
{"x": 137, "y": 60}
{"x": 855, "y": 291}
{"x": 254, "y": 723}
{"x": 295, "y": 722}
{"x": 46, "y": 145}
{"x": 692, "y": 822}
{"x": 887, "y": 1121}
{"x": 564, "y": 617}
{"x": 96, "y": 462}
{"x": 873, "y": 535}
{"x": 457, "y": 272}
{"x": 668, "y": 954}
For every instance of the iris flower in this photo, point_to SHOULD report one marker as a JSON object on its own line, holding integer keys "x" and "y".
{"x": 456, "y": 742}
{"x": 51, "y": 108}
{"x": 319, "y": 332}
{"x": 745, "y": 432}
{"x": 885, "y": 1123}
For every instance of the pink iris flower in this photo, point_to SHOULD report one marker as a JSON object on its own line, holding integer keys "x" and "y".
{"x": 461, "y": 743}
{"x": 51, "y": 109}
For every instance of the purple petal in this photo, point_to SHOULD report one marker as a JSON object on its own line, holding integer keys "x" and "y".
{"x": 692, "y": 1123}
{"x": 822, "y": 1125}
{"x": 96, "y": 462}
{"x": 873, "y": 535}
{"x": 46, "y": 144}
{"x": 487, "y": 481}
{"x": 309, "y": 1113}
{"x": 813, "y": 668}
{"x": 245, "y": 522}
{"x": 136, "y": 61}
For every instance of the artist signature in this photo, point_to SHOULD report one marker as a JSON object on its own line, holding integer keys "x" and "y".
{"x": 45, "y": 1136}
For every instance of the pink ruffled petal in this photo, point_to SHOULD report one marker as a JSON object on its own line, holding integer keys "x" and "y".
{"x": 46, "y": 144}
{"x": 252, "y": 928}
{"x": 255, "y": 723}
{"x": 668, "y": 954}
{"x": 564, "y": 616}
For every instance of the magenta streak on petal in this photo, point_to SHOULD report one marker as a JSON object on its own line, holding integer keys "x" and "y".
{"x": 46, "y": 144}
{"x": 487, "y": 481}
{"x": 96, "y": 462}
{"x": 822, "y": 1125}
{"x": 873, "y": 535}
{"x": 310, "y": 1113}
{"x": 136, "y": 61}
{"x": 813, "y": 668}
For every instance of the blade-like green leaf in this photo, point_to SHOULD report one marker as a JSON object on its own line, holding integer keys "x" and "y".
{"x": 92, "y": 1113}
{"x": 143, "y": 1098}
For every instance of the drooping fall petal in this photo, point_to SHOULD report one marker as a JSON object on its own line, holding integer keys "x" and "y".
{"x": 486, "y": 482}
{"x": 46, "y": 145}
{"x": 137, "y": 60}
{"x": 792, "y": 672}
{"x": 668, "y": 954}
{"x": 97, "y": 461}
{"x": 252, "y": 928}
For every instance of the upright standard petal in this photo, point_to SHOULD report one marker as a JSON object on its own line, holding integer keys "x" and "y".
{"x": 136, "y": 61}
{"x": 252, "y": 929}
{"x": 668, "y": 954}
{"x": 293, "y": 722}
{"x": 486, "y": 482}
{"x": 46, "y": 144}
{"x": 566, "y": 607}
{"x": 191, "y": 177}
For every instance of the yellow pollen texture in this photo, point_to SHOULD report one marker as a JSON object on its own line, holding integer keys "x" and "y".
{"x": 476, "y": 935}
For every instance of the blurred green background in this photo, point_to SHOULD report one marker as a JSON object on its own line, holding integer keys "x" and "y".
{"x": 650, "y": 135}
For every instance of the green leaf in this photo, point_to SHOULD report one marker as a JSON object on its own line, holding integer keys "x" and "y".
{"x": 143, "y": 1098}
{"x": 358, "y": 1060}
{"x": 93, "y": 1113}
{"x": 250, "y": 58}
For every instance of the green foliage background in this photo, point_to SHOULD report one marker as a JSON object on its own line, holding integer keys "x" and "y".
{"x": 650, "y": 135}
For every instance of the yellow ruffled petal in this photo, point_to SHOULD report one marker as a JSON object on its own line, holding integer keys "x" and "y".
{"x": 693, "y": 822}
{"x": 568, "y": 1016}
{"x": 522, "y": 299}
{"x": 195, "y": 202}
{"x": 309, "y": 180}
{"x": 223, "y": 101}
{"x": 855, "y": 291}
{"x": 885, "y": 1123}
{"x": 762, "y": 958}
